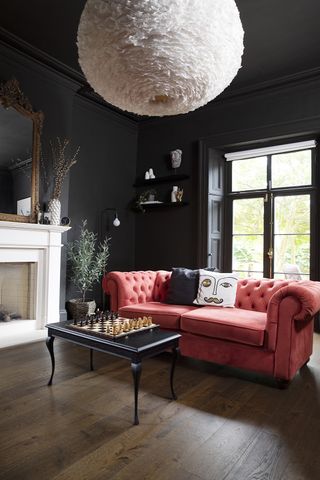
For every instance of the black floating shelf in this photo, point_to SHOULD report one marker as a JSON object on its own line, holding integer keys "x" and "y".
{"x": 151, "y": 206}
{"x": 154, "y": 181}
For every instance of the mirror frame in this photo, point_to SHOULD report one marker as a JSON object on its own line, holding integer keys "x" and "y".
{"x": 11, "y": 95}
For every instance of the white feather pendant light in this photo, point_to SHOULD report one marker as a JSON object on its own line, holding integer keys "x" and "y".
{"x": 160, "y": 57}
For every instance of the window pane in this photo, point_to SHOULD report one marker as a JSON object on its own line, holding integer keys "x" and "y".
{"x": 249, "y": 174}
{"x": 247, "y": 274}
{"x": 291, "y": 277}
{"x": 247, "y": 254}
{"x": 248, "y": 216}
{"x": 292, "y": 255}
{"x": 291, "y": 169}
{"x": 292, "y": 214}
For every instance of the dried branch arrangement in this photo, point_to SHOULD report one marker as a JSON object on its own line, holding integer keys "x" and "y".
{"x": 61, "y": 163}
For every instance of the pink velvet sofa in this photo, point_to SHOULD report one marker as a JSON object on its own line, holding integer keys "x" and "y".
{"x": 270, "y": 329}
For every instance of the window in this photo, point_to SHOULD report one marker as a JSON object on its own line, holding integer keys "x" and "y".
{"x": 269, "y": 209}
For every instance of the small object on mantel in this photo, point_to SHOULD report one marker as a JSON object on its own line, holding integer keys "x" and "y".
{"x": 65, "y": 221}
{"x": 146, "y": 175}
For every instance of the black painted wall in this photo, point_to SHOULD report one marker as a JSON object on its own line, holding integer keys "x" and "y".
{"x": 114, "y": 149}
{"x": 103, "y": 178}
{"x": 272, "y": 115}
{"x": 105, "y": 171}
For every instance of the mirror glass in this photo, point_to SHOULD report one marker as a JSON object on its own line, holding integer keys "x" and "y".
{"x": 20, "y": 129}
{"x": 15, "y": 162}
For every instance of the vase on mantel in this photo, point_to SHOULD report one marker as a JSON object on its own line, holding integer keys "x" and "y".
{"x": 54, "y": 208}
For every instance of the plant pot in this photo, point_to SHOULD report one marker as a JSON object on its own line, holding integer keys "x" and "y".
{"x": 79, "y": 309}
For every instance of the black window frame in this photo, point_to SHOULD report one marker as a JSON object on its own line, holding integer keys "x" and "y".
{"x": 296, "y": 190}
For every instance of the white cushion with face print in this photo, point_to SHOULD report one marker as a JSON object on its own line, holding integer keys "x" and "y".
{"x": 216, "y": 289}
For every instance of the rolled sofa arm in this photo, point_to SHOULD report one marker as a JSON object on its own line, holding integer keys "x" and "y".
{"x": 307, "y": 293}
{"x": 292, "y": 306}
{"x": 126, "y": 288}
{"x": 290, "y": 326}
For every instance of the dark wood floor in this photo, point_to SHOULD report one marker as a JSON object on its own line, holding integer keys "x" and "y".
{"x": 225, "y": 425}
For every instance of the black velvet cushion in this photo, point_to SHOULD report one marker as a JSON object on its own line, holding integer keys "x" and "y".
{"x": 183, "y": 286}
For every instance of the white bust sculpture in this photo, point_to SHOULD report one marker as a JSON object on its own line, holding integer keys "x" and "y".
{"x": 176, "y": 157}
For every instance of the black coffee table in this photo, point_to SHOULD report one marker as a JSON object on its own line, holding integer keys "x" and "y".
{"x": 134, "y": 347}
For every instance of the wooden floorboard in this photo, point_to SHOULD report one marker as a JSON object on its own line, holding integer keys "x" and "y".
{"x": 226, "y": 424}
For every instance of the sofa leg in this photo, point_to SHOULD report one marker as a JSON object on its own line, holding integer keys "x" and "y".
{"x": 282, "y": 384}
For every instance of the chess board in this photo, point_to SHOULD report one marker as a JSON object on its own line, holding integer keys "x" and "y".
{"x": 115, "y": 328}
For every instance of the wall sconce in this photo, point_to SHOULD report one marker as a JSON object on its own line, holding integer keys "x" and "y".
{"x": 116, "y": 221}
{"x": 106, "y": 224}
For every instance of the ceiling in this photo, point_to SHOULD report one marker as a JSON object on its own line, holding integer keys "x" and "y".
{"x": 282, "y": 37}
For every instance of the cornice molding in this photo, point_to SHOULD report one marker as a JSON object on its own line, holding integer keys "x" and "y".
{"x": 25, "y": 48}
{"x": 75, "y": 78}
{"x": 87, "y": 92}
{"x": 284, "y": 81}
{"x": 304, "y": 127}
{"x": 80, "y": 83}
{"x": 306, "y": 77}
{"x": 113, "y": 115}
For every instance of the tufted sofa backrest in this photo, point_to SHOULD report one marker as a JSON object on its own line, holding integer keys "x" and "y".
{"x": 161, "y": 285}
{"x": 253, "y": 294}
{"x": 127, "y": 288}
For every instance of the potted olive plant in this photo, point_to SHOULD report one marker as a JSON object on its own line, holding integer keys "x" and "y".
{"x": 86, "y": 263}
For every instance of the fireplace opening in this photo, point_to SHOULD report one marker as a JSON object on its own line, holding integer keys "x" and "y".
{"x": 17, "y": 291}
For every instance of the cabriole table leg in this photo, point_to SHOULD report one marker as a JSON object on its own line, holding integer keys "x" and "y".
{"x": 49, "y": 343}
{"x": 175, "y": 352}
{"x": 136, "y": 372}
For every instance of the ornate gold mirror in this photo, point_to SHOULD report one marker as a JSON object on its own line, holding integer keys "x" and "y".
{"x": 20, "y": 129}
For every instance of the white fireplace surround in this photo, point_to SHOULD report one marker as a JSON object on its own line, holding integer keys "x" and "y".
{"x": 41, "y": 244}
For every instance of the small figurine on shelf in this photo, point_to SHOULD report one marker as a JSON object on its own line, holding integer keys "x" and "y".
{"x": 179, "y": 194}
{"x": 174, "y": 194}
{"x": 146, "y": 175}
{"x": 151, "y": 174}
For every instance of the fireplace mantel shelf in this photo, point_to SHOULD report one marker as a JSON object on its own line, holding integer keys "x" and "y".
{"x": 34, "y": 227}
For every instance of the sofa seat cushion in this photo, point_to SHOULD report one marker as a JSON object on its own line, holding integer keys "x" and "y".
{"x": 234, "y": 324}
{"x": 167, "y": 316}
